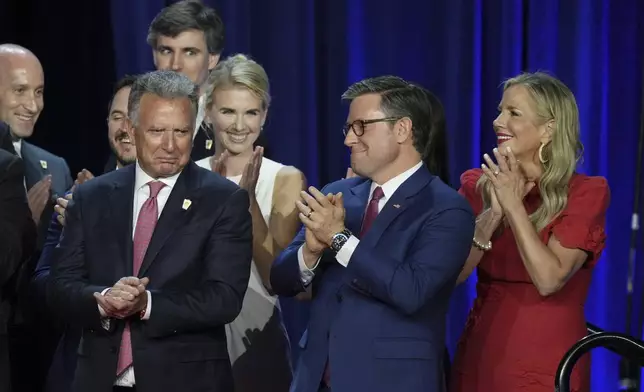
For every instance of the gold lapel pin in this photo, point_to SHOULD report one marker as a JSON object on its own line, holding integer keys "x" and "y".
{"x": 43, "y": 164}
{"x": 208, "y": 144}
{"x": 396, "y": 205}
{"x": 186, "y": 204}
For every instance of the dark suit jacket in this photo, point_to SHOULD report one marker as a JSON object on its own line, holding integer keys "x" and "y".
{"x": 63, "y": 365}
{"x": 15, "y": 222}
{"x": 15, "y": 225}
{"x": 198, "y": 263}
{"x": 5, "y": 139}
{"x": 381, "y": 320}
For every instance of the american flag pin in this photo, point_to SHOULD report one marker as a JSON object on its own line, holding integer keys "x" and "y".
{"x": 186, "y": 204}
{"x": 396, "y": 205}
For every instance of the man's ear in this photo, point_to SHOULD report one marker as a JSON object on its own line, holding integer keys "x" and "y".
{"x": 403, "y": 130}
{"x": 213, "y": 59}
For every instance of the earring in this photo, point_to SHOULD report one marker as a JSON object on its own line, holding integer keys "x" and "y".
{"x": 541, "y": 154}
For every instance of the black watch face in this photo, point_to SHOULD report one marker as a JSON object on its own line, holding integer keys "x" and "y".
{"x": 338, "y": 241}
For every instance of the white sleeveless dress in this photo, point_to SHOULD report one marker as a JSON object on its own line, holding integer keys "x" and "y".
{"x": 257, "y": 341}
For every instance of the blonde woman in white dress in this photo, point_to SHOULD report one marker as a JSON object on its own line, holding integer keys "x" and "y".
{"x": 237, "y": 108}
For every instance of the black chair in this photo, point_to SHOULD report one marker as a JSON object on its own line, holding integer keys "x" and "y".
{"x": 621, "y": 344}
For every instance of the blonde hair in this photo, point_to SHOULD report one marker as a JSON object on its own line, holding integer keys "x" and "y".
{"x": 240, "y": 71}
{"x": 553, "y": 102}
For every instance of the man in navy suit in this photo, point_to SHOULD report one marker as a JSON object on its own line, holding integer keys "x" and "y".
{"x": 382, "y": 252}
{"x": 176, "y": 239}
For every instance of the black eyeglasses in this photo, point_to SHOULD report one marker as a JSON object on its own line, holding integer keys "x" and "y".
{"x": 358, "y": 126}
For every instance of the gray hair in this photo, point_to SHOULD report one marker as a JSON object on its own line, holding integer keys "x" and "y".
{"x": 164, "y": 84}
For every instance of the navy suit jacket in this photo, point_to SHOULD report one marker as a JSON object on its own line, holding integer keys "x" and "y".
{"x": 381, "y": 320}
{"x": 198, "y": 262}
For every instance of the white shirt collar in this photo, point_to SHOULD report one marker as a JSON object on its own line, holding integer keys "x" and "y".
{"x": 389, "y": 187}
{"x": 201, "y": 114}
{"x": 142, "y": 178}
{"x": 17, "y": 145}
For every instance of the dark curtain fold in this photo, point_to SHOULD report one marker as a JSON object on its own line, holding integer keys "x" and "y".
{"x": 313, "y": 49}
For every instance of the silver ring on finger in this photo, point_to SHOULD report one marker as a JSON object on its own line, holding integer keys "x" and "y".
{"x": 496, "y": 172}
{"x": 308, "y": 214}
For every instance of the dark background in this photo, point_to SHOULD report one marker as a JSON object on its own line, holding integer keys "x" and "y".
{"x": 313, "y": 49}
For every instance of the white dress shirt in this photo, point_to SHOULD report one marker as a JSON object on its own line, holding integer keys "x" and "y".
{"x": 201, "y": 114}
{"x": 17, "y": 145}
{"x": 141, "y": 194}
{"x": 344, "y": 255}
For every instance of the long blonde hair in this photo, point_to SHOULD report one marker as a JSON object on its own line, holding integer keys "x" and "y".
{"x": 240, "y": 71}
{"x": 553, "y": 102}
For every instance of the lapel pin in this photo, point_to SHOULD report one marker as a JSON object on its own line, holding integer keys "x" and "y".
{"x": 208, "y": 144}
{"x": 43, "y": 164}
{"x": 396, "y": 205}
{"x": 186, "y": 204}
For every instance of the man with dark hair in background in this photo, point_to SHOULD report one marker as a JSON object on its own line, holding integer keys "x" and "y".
{"x": 188, "y": 37}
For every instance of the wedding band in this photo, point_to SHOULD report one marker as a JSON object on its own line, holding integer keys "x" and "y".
{"x": 308, "y": 215}
{"x": 496, "y": 172}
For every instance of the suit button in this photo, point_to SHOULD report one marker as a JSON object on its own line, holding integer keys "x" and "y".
{"x": 91, "y": 330}
{"x": 354, "y": 281}
{"x": 113, "y": 350}
{"x": 174, "y": 331}
{"x": 338, "y": 297}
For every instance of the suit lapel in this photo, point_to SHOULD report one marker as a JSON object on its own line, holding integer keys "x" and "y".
{"x": 356, "y": 204}
{"x": 398, "y": 203}
{"x": 121, "y": 201}
{"x": 35, "y": 168}
{"x": 174, "y": 214}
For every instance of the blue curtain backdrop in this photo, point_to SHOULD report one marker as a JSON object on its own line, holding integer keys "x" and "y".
{"x": 462, "y": 50}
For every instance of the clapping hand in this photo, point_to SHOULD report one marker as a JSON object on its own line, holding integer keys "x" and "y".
{"x": 61, "y": 203}
{"x": 61, "y": 207}
{"x": 83, "y": 176}
{"x": 322, "y": 215}
{"x": 509, "y": 184}
{"x": 125, "y": 298}
{"x": 251, "y": 171}
{"x": 218, "y": 165}
{"x": 38, "y": 196}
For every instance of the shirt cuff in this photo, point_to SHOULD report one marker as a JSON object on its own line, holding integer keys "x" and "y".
{"x": 148, "y": 307}
{"x": 101, "y": 310}
{"x": 344, "y": 254}
{"x": 306, "y": 274}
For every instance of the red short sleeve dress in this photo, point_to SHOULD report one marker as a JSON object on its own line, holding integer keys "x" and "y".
{"x": 514, "y": 337}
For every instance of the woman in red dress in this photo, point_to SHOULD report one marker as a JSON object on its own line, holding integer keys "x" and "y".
{"x": 539, "y": 232}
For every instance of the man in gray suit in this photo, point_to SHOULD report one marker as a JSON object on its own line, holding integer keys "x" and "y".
{"x": 47, "y": 176}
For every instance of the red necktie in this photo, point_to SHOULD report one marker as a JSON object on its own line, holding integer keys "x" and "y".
{"x": 372, "y": 210}
{"x": 369, "y": 217}
{"x": 142, "y": 234}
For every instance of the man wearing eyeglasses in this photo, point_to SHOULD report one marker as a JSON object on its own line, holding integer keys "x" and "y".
{"x": 383, "y": 251}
